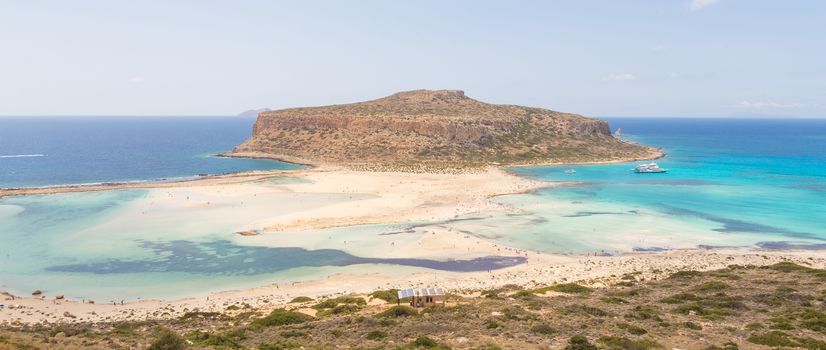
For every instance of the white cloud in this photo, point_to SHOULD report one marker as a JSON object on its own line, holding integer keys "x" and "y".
{"x": 658, "y": 48}
{"x": 767, "y": 104}
{"x": 701, "y": 4}
{"x": 136, "y": 79}
{"x": 620, "y": 77}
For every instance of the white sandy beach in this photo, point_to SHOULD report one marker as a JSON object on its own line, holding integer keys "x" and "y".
{"x": 541, "y": 269}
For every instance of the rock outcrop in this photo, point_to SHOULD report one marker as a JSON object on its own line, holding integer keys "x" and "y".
{"x": 442, "y": 127}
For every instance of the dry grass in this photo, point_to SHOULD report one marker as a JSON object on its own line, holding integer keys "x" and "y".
{"x": 739, "y": 307}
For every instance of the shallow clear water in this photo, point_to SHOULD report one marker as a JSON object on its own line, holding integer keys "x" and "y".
{"x": 162, "y": 243}
{"x": 168, "y": 243}
{"x": 729, "y": 182}
{"x": 45, "y": 151}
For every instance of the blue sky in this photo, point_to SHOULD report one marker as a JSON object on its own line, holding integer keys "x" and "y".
{"x": 598, "y": 58}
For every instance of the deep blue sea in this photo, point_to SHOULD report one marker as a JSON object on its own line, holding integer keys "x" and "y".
{"x": 45, "y": 151}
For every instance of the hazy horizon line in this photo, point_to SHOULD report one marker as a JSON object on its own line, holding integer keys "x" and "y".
{"x": 241, "y": 116}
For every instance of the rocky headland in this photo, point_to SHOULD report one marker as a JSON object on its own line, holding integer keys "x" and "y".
{"x": 434, "y": 128}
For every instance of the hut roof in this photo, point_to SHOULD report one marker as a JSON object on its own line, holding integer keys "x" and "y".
{"x": 421, "y": 292}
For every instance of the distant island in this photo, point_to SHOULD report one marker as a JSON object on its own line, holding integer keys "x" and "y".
{"x": 436, "y": 128}
{"x": 252, "y": 113}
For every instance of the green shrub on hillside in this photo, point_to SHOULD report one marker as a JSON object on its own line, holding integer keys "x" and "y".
{"x": 398, "y": 311}
{"x": 580, "y": 342}
{"x": 301, "y": 299}
{"x": 569, "y": 288}
{"x": 167, "y": 340}
{"x": 281, "y": 317}
{"x": 389, "y": 295}
{"x": 622, "y": 343}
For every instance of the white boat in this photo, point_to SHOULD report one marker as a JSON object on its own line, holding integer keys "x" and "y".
{"x": 570, "y": 171}
{"x": 649, "y": 168}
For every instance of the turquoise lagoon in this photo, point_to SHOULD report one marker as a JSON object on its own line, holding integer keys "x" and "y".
{"x": 131, "y": 244}
{"x": 745, "y": 183}
{"x": 731, "y": 182}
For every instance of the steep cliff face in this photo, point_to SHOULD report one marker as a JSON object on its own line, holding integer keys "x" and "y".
{"x": 435, "y": 127}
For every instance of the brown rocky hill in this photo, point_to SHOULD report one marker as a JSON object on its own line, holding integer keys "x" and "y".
{"x": 442, "y": 127}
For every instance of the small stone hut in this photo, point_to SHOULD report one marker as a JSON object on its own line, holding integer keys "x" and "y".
{"x": 422, "y": 297}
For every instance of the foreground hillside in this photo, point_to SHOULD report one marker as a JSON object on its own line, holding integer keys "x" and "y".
{"x": 777, "y": 306}
{"x": 442, "y": 127}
